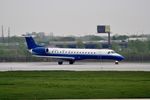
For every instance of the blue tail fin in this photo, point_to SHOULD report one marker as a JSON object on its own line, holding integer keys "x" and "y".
{"x": 31, "y": 43}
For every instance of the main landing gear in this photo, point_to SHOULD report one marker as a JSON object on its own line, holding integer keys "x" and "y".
{"x": 70, "y": 62}
{"x": 60, "y": 62}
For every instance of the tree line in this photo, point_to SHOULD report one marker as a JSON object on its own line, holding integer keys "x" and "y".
{"x": 135, "y": 50}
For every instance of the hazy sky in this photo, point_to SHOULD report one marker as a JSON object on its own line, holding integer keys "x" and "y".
{"x": 68, "y": 17}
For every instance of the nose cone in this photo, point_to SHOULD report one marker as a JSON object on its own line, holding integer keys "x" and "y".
{"x": 120, "y": 57}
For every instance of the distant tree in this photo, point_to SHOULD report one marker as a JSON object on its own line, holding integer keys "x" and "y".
{"x": 98, "y": 45}
{"x": 116, "y": 47}
{"x": 119, "y": 37}
{"x": 91, "y": 38}
{"x": 138, "y": 47}
{"x": 64, "y": 45}
{"x": 67, "y": 39}
{"x": 80, "y": 44}
{"x": 148, "y": 45}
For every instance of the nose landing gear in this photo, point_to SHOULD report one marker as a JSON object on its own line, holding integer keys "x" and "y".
{"x": 116, "y": 62}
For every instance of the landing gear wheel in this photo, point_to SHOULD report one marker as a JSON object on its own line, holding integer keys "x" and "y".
{"x": 60, "y": 62}
{"x": 116, "y": 62}
{"x": 71, "y": 62}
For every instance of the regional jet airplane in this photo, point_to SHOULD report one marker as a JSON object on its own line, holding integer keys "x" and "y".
{"x": 69, "y": 54}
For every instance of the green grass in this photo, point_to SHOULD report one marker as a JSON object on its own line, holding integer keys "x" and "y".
{"x": 68, "y": 84}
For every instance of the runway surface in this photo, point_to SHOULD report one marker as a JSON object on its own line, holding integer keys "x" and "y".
{"x": 78, "y": 66}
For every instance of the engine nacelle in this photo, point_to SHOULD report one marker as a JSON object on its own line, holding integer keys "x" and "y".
{"x": 39, "y": 50}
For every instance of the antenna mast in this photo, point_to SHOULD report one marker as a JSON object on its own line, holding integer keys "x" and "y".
{"x": 2, "y": 34}
{"x": 8, "y": 34}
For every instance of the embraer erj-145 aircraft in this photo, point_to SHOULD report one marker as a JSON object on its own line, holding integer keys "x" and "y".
{"x": 71, "y": 54}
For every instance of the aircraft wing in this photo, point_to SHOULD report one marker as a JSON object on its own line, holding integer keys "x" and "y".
{"x": 58, "y": 57}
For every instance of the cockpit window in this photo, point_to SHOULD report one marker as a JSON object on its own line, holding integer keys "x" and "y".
{"x": 111, "y": 52}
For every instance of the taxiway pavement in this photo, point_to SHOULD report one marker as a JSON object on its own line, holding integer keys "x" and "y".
{"x": 78, "y": 66}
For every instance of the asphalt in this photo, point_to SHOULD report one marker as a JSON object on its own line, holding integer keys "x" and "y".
{"x": 78, "y": 66}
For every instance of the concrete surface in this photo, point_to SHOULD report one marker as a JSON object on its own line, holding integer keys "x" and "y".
{"x": 78, "y": 66}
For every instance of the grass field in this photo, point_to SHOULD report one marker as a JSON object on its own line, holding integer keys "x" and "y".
{"x": 69, "y": 84}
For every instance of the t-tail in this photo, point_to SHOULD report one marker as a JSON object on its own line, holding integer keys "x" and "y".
{"x": 31, "y": 43}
